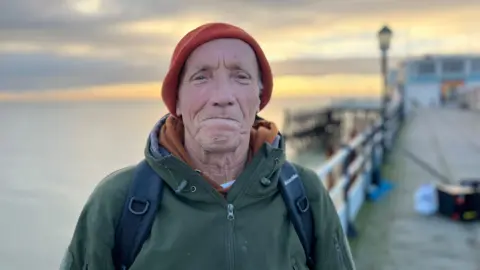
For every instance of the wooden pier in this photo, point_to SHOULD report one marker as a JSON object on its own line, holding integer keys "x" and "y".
{"x": 393, "y": 235}
{"x": 388, "y": 233}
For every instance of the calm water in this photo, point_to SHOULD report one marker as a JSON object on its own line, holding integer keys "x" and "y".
{"x": 51, "y": 157}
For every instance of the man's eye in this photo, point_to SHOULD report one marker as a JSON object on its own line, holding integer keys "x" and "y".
{"x": 199, "y": 77}
{"x": 242, "y": 76}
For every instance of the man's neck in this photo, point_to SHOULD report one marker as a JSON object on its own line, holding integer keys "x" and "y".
{"x": 219, "y": 167}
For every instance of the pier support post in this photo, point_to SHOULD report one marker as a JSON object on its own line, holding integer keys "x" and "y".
{"x": 351, "y": 231}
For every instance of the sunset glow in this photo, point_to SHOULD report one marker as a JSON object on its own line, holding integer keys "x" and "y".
{"x": 114, "y": 52}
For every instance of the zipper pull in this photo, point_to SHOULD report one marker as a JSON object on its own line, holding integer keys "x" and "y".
{"x": 230, "y": 215}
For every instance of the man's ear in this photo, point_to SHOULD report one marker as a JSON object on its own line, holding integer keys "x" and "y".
{"x": 259, "y": 102}
{"x": 178, "y": 104}
{"x": 178, "y": 111}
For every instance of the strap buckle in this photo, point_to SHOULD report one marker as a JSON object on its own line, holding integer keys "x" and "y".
{"x": 303, "y": 204}
{"x": 138, "y": 207}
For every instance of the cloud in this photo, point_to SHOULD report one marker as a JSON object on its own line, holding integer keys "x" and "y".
{"x": 48, "y": 23}
{"x": 22, "y": 72}
{"x": 321, "y": 67}
{"x": 58, "y": 44}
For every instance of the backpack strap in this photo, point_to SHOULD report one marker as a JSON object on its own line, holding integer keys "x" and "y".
{"x": 298, "y": 207}
{"x": 138, "y": 214}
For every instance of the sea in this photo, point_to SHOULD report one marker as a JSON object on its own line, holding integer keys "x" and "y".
{"x": 52, "y": 154}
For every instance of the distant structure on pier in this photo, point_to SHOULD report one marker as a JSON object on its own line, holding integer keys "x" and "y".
{"x": 435, "y": 80}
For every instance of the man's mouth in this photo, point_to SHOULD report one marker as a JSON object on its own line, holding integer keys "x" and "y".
{"x": 220, "y": 118}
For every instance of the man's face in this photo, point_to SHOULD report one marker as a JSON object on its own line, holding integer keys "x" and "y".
{"x": 219, "y": 94}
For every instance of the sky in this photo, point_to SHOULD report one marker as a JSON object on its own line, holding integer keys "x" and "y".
{"x": 96, "y": 49}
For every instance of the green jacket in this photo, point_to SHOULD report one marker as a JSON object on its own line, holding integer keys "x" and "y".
{"x": 197, "y": 228}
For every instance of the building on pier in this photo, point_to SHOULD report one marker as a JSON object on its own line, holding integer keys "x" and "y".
{"x": 435, "y": 80}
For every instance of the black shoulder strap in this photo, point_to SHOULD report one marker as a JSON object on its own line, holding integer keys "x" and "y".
{"x": 138, "y": 214}
{"x": 298, "y": 206}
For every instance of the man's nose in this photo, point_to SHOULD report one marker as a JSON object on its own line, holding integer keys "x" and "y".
{"x": 222, "y": 95}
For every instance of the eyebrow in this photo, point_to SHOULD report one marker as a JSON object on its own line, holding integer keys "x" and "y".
{"x": 236, "y": 66}
{"x": 203, "y": 67}
{"x": 207, "y": 67}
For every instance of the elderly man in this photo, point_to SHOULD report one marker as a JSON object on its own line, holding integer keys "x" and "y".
{"x": 214, "y": 190}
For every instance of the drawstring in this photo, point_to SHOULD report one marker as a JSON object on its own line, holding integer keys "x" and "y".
{"x": 181, "y": 186}
{"x": 274, "y": 169}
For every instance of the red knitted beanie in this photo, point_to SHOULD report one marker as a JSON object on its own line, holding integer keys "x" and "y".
{"x": 199, "y": 36}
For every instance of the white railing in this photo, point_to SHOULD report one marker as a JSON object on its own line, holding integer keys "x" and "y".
{"x": 355, "y": 176}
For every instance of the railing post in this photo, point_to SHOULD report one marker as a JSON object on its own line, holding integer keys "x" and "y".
{"x": 376, "y": 176}
{"x": 367, "y": 173}
{"x": 351, "y": 231}
{"x": 383, "y": 129}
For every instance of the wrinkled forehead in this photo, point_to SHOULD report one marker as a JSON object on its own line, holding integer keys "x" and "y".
{"x": 224, "y": 52}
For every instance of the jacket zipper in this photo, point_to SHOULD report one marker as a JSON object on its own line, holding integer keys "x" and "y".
{"x": 230, "y": 237}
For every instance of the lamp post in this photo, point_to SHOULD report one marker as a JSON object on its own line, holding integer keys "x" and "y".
{"x": 384, "y": 38}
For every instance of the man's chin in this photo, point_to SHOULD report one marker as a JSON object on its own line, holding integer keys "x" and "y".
{"x": 219, "y": 149}
{"x": 221, "y": 142}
